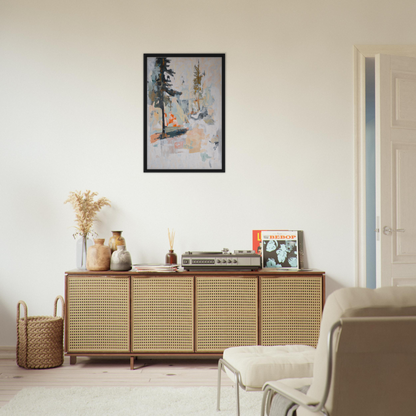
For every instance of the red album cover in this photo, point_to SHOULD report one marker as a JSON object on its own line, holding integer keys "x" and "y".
{"x": 257, "y": 241}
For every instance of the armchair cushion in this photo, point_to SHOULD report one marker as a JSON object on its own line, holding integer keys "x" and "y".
{"x": 258, "y": 364}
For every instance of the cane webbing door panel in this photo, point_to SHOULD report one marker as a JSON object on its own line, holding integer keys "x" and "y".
{"x": 226, "y": 312}
{"x": 98, "y": 310}
{"x": 162, "y": 314}
{"x": 291, "y": 309}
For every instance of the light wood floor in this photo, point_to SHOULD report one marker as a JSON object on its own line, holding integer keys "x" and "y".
{"x": 109, "y": 372}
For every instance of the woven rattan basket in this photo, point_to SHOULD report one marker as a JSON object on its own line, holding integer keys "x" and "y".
{"x": 40, "y": 338}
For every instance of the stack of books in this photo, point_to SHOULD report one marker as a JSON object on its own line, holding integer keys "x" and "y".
{"x": 155, "y": 267}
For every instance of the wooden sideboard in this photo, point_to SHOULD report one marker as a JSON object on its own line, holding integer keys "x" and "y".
{"x": 189, "y": 313}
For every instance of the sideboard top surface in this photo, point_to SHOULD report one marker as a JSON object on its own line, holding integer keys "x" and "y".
{"x": 262, "y": 272}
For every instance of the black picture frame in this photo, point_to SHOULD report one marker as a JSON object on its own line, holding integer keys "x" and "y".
{"x": 184, "y": 112}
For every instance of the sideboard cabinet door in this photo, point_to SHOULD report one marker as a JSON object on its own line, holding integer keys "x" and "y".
{"x": 226, "y": 312}
{"x": 98, "y": 314}
{"x": 162, "y": 314}
{"x": 290, "y": 309}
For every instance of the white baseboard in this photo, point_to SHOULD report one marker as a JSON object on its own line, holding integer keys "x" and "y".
{"x": 7, "y": 352}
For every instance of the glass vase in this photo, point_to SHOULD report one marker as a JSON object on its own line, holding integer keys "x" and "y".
{"x": 81, "y": 252}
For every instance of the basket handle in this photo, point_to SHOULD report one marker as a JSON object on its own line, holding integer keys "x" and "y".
{"x": 56, "y": 306}
{"x": 24, "y": 340}
{"x": 21, "y": 302}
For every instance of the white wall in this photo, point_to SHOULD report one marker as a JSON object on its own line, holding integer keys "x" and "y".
{"x": 71, "y": 118}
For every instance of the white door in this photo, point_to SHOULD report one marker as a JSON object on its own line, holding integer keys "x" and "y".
{"x": 396, "y": 170}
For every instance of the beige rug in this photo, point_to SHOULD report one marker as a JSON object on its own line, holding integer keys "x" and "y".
{"x": 130, "y": 401}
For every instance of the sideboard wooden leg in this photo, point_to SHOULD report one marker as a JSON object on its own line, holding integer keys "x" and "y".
{"x": 131, "y": 363}
{"x": 72, "y": 359}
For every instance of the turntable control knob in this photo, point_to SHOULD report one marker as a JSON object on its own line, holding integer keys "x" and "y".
{"x": 225, "y": 250}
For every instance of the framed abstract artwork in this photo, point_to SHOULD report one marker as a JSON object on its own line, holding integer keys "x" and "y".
{"x": 184, "y": 112}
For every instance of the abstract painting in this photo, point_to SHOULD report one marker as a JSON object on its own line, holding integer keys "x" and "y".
{"x": 184, "y": 113}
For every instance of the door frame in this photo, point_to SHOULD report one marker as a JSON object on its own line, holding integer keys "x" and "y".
{"x": 360, "y": 53}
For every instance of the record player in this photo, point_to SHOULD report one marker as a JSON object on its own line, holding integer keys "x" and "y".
{"x": 240, "y": 260}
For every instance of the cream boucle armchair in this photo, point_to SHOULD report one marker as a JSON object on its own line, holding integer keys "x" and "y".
{"x": 365, "y": 362}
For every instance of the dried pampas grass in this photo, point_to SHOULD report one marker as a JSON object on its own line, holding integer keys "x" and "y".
{"x": 85, "y": 210}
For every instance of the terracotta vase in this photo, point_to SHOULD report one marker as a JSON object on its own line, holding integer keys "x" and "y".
{"x": 171, "y": 258}
{"x": 121, "y": 259}
{"x": 98, "y": 256}
{"x": 116, "y": 240}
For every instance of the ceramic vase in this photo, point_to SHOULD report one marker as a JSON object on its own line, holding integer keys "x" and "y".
{"x": 98, "y": 256}
{"x": 82, "y": 246}
{"x": 121, "y": 259}
{"x": 171, "y": 258}
{"x": 116, "y": 240}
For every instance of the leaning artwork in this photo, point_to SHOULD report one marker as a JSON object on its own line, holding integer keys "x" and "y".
{"x": 184, "y": 106}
